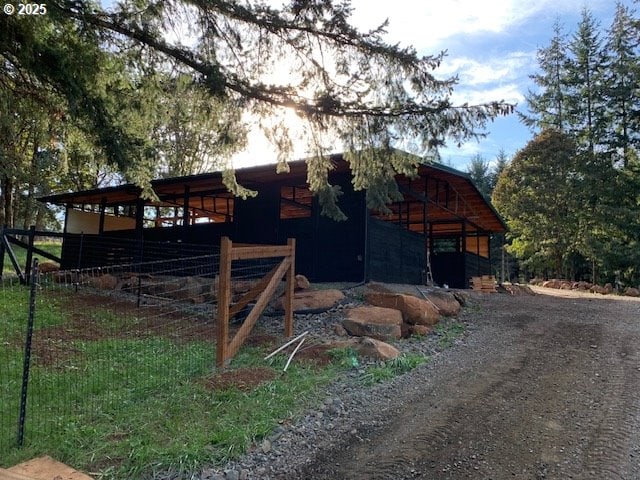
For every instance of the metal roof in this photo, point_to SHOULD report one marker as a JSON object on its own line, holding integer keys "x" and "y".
{"x": 450, "y": 195}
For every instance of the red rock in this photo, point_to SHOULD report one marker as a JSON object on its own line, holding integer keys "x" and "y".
{"x": 632, "y": 292}
{"x": 302, "y": 283}
{"x": 447, "y": 303}
{"x": 314, "y": 300}
{"x": 46, "y": 267}
{"x": 421, "y": 330}
{"x": 372, "y": 348}
{"x": 377, "y": 322}
{"x": 103, "y": 282}
{"x": 414, "y": 310}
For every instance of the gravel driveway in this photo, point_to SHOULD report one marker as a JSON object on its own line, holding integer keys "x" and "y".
{"x": 544, "y": 386}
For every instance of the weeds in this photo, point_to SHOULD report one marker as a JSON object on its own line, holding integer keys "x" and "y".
{"x": 393, "y": 368}
{"x": 448, "y": 333}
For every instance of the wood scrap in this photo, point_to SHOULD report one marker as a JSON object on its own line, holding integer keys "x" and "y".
{"x": 485, "y": 283}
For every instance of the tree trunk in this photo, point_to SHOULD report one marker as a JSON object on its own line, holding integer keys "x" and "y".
{"x": 7, "y": 190}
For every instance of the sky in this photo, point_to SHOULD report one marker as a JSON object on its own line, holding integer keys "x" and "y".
{"x": 491, "y": 45}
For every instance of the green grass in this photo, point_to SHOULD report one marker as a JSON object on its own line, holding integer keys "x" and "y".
{"x": 448, "y": 331}
{"x": 392, "y": 368}
{"x": 53, "y": 248}
{"x": 126, "y": 407}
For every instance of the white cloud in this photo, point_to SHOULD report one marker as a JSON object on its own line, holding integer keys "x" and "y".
{"x": 427, "y": 24}
{"x": 509, "y": 93}
{"x": 471, "y": 71}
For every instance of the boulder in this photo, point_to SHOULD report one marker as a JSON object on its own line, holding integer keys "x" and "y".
{"x": 301, "y": 282}
{"x": 552, "y": 283}
{"x": 46, "y": 267}
{"x": 584, "y": 285}
{"x": 446, "y": 302}
{"x": 376, "y": 322}
{"x": 414, "y": 310}
{"x": 183, "y": 288}
{"x": 517, "y": 289}
{"x": 339, "y": 330}
{"x": 421, "y": 330}
{"x": 461, "y": 296}
{"x": 314, "y": 301}
{"x": 632, "y": 292}
{"x": 103, "y": 282}
{"x": 376, "y": 349}
{"x": 598, "y": 289}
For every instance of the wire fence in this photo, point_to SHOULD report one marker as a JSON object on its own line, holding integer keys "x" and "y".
{"x": 107, "y": 338}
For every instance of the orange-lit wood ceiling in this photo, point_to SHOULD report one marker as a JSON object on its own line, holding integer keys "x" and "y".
{"x": 449, "y": 197}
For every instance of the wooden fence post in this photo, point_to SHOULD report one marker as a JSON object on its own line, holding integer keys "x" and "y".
{"x": 288, "y": 307}
{"x": 224, "y": 300}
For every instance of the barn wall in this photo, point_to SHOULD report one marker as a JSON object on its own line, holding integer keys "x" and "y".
{"x": 395, "y": 254}
{"x": 477, "y": 265}
{"x": 327, "y": 250}
{"x": 456, "y": 269}
{"x": 448, "y": 268}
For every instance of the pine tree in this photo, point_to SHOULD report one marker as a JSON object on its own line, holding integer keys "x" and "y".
{"x": 585, "y": 85}
{"x": 621, "y": 92}
{"x": 304, "y": 58}
{"x": 480, "y": 172}
{"x": 547, "y": 105}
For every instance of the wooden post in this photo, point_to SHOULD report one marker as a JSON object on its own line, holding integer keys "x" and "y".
{"x": 224, "y": 300}
{"x": 288, "y": 306}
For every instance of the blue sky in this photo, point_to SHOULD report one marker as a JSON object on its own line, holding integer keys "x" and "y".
{"x": 491, "y": 46}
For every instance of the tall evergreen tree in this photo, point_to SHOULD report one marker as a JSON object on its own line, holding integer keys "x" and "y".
{"x": 546, "y": 105}
{"x": 621, "y": 88}
{"x": 304, "y": 57}
{"x": 480, "y": 172}
{"x": 585, "y": 84}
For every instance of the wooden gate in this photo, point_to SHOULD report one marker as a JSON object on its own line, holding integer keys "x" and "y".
{"x": 261, "y": 292}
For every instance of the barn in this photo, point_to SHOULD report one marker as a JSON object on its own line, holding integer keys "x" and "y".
{"x": 442, "y": 217}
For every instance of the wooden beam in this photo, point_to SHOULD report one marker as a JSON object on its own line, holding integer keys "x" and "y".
{"x": 261, "y": 303}
{"x": 224, "y": 299}
{"x": 288, "y": 296}
{"x": 267, "y": 251}
{"x": 251, "y": 294}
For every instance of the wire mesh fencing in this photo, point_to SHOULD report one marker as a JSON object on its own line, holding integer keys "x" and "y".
{"x": 110, "y": 345}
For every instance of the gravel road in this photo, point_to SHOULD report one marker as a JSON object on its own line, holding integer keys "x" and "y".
{"x": 544, "y": 386}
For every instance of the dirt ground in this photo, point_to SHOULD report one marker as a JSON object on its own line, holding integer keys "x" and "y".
{"x": 545, "y": 386}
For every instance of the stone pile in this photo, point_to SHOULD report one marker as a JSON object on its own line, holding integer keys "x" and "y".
{"x": 605, "y": 289}
{"x": 385, "y": 314}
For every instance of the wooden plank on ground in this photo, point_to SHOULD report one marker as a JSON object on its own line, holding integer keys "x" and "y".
{"x": 485, "y": 283}
{"x": 42, "y": 468}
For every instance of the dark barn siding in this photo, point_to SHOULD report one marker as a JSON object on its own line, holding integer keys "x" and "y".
{"x": 448, "y": 268}
{"x": 395, "y": 254}
{"x": 256, "y": 219}
{"x": 327, "y": 250}
{"x": 476, "y": 266}
{"x": 455, "y": 269}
